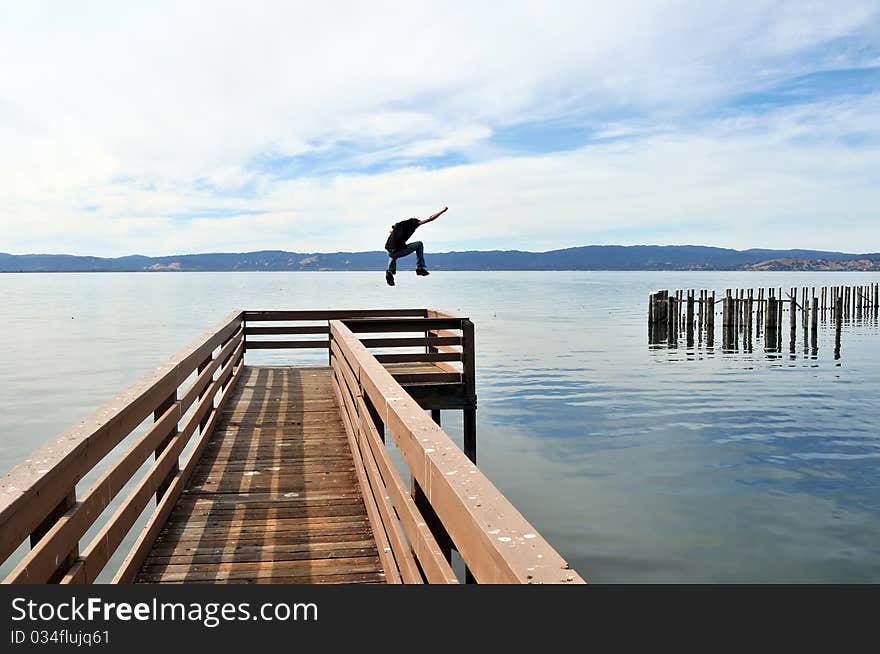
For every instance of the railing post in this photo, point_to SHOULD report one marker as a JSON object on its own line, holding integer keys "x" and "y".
{"x": 42, "y": 529}
{"x": 243, "y": 334}
{"x": 222, "y": 345}
{"x": 469, "y": 370}
{"x": 204, "y": 364}
{"x": 433, "y": 523}
{"x": 172, "y": 432}
{"x": 378, "y": 423}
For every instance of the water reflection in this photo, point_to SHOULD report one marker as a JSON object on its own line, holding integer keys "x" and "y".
{"x": 741, "y": 335}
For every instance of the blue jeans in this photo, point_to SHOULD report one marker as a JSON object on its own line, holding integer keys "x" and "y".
{"x": 405, "y": 251}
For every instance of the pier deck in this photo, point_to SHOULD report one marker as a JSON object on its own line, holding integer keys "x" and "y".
{"x": 278, "y": 473}
{"x": 275, "y": 498}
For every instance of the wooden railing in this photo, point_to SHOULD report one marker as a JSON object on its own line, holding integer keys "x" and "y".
{"x": 422, "y": 336}
{"x": 316, "y": 324}
{"x": 38, "y": 498}
{"x": 453, "y": 503}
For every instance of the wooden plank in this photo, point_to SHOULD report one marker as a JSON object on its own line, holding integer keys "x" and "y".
{"x": 446, "y": 333}
{"x": 168, "y": 547}
{"x": 319, "y": 578}
{"x": 437, "y": 313}
{"x": 287, "y": 345}
{"x": 419, "y": 357}
{"x": 266, "y": 527}
{"x": 411, "y": 342}
{"x": 192, "y": 515}
{"x": 259, "y": 570}
{"x": 426, "y": 377}
{"x": 321, "y": 314}
{"x": 218, "y": 538}
{"x": 445, "y": 348}
{"x": 288, "y": 329}
{"x": 265, "y": 554}
{"x": 390, "y": 326}
{"x": 268, "y": 499}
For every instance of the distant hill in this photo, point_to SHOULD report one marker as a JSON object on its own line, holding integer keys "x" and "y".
{"x": 591, "y": 257}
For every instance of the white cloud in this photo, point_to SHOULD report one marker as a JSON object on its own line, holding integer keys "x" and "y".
{"x": 147, "y": 111}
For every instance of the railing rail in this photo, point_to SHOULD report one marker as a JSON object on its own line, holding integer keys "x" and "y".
{"x": 495, "y": 541}
{"x": 38, "y": 497}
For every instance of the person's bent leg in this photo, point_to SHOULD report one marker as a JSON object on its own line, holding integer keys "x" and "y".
{"x": 420, "y": 253}
{"x": 392, "y": 265}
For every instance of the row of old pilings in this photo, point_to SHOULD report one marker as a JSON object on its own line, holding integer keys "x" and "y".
{"x": 749, "y": 313}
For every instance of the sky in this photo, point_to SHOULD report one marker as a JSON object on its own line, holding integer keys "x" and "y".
{"x": 182, "y": 127}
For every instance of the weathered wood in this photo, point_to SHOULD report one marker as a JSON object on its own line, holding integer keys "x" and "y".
{"x": 389, "y": 567}
{"x": 465, "y": 501}
{"x": 270, "y": 517}
{"x": 429, "y": 377}
{"x": 96, "y": 555}
{"x": 403, "y": 555}
{"x": 418, "y": 357}
{"x": 287, "y": 345}
{"x": 287, "y": 330}
{"x": 428, "y": 552}
{"x": 165, "y": 439}
{"x": 33, "y": 489}
{"x": 378, "y": 536}
{"x": 411, "y": 342}
{"x": 150, "y": 530}
{"x": 321, "y": 314}
{"x": 40, "y": 563}
{"x": 390, "y": 326}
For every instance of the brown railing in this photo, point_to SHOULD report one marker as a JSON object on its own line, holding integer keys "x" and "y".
{"x": 38, "y": 498}
{"x": 454, "y": 503}
{"x": 421, "y": 336}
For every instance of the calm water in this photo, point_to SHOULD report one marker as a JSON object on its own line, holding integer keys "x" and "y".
{"x": 639, "y": 464}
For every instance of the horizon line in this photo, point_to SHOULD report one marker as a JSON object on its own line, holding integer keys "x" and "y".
{"x": 572, "y": 247}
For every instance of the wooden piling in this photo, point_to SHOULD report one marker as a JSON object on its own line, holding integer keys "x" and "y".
{"x": 839, "y": 324}
{"x": 877, "y": 300}
{"x": 770, "y": 324}
{"x": 710, "y": 321}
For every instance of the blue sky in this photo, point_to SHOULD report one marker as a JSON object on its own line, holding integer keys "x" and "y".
{"x": 230, "y": 126}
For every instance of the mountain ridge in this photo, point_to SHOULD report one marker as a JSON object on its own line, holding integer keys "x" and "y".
{"x": 589, "y": 257}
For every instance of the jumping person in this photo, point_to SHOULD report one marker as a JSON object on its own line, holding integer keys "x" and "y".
{"x": 397, "y": 247}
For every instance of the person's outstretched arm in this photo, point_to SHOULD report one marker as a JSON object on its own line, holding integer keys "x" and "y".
{"x": 432, "y": 217}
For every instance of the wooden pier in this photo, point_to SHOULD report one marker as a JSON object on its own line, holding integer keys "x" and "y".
{"x": 233, "y": 473}
{"x": 750, "y": 312}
